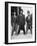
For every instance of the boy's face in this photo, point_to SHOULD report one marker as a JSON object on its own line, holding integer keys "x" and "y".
{"x": 28, "y": 13}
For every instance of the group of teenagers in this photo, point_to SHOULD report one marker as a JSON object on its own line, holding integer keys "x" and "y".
{"x": 18, "y": 22}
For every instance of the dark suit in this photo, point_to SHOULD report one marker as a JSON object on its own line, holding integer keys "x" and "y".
{"x": 21, "y": 23}
{"x": 29, "y": 23}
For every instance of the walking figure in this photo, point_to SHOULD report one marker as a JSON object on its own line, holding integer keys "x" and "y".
{"x": 21, "y": 21}
{"x": 14, "y": 25}
{"x": 29, "y": 22}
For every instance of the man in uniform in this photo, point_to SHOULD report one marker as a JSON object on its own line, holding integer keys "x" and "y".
{"x": 29, "y": 22}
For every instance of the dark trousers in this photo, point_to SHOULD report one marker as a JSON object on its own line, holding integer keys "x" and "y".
{"x": 21, "y": 27}
{"x": 29, "y": 27}
{"x": 14, "y": 29}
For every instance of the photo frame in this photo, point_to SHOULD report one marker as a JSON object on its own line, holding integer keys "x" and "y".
{"x": 9, "y": 6}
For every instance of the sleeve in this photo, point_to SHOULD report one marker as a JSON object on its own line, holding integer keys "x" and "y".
{"x": 24, "y": 19}
{"x": 17, "y": 20}
{"x": 12, "y": 20}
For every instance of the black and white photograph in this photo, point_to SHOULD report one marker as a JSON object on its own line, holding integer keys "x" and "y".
{"x": 20, "y": 22}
